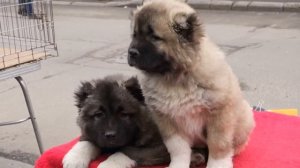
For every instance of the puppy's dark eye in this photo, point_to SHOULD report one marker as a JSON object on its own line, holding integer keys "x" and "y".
{"x": 123, "y": 114}
{"x": 156, "y": 38}
{"x": 98, "y": 114}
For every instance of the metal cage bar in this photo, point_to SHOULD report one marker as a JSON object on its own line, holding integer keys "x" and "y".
{"x": 31, "y": 112}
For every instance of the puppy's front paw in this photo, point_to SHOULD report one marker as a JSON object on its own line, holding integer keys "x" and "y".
{"x": 117, "y": 160}
{"x": 220, "y": 163}
{"x": 75, "y": 160}
{"x": 80, "y": 155}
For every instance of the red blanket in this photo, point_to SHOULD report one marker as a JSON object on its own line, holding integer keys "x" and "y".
{"x": 274, "y": 143}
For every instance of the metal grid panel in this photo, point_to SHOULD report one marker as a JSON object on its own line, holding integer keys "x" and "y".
{"x": 26, "y": 31}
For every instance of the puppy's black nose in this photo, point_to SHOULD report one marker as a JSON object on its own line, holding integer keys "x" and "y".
{"x": 133, "y": 53}
{"x": 110, "y": 134}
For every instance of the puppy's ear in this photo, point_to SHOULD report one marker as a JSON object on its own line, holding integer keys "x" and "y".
{"x": 187, "y": 26}
{"x": 82, "y": 93}
{"x": 133, "y": 87}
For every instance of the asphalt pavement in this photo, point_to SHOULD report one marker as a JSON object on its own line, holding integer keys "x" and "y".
{"x": 262, "y": 48}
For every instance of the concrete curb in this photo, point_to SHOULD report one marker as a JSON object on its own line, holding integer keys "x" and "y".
{"x": 203, "y": 4}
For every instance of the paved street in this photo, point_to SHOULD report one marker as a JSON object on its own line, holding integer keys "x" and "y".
{"x": 5, "y": 163}
{"x": 263, "y": 49}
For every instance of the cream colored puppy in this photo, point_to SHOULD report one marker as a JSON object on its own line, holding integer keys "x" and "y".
{"x": 192, "y": 92}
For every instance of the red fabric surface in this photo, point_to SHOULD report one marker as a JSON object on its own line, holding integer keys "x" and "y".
{"x": 274, "y": 143}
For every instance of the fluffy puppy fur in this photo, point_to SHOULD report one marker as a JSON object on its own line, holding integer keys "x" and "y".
{"x": 194, "y": 97}
{"x": 114, "y": 119}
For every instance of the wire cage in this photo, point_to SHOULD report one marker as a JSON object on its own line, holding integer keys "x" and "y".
{"x": 26, "y": 32}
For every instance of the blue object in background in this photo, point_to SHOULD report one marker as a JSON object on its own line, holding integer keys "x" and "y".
{"x": 25, "y": 7}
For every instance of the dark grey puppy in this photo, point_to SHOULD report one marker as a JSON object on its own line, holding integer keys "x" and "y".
{"x": 113, "y": 118}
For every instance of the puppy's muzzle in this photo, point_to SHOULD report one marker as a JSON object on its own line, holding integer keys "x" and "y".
{"x": 133, "y": 55}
